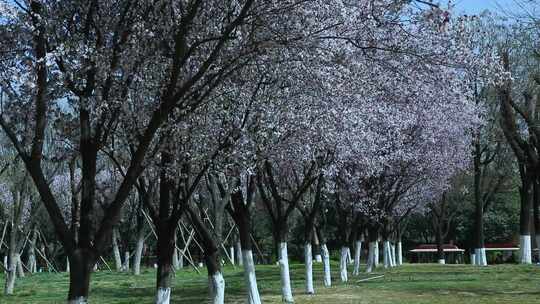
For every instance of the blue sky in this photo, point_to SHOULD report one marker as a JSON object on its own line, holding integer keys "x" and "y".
{"x": 477, "y": 6}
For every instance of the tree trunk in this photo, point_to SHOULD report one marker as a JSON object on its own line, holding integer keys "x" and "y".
{"x": 343, "y": 264}
{"x": 326, "y": 265}
{"x": 250, "y": 277}
{"x": 472, "y": 257}
{"x": 165, "y": 248}
{"x": 373, "y": 255}
{"x": 392, "y": 255}
{"x": 32, "y": 263}
{"x": 399, "y": 253}
{"x": 242, "y": 218}
{"x": 480, "y": 257}
{"x": 125, "y": 267}
{"x": 138, "y": 253}
{"x": 216, "y": 283}
{"x": 116, "y": 250}
{"x": 316, "y": 247}
{"x": 79, "y": 277}
{"x": 536, "y": 204}
{"x": 10, "y": 273}
{"x": 525, "y": 220}
{"x": 231, "y": 254}
{"x": 210, "y": 242}
{"x": 386, "y": 254}
{"x": 308, "y": 260}
{"x": 440, "y": 249}
{"x": 20, "y": 270}
{"x": 286, "y": 291}
{"x": 176, "y": 260}
{"x": 479, "y": 248}
{"x": 308, "y": 253}
{"x": 239, "y": 258}
{"x": 357, "y": 253}
{"x": 376, "y": 254}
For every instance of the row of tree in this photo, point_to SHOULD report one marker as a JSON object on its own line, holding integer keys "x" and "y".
{"x": 187, "y": 111}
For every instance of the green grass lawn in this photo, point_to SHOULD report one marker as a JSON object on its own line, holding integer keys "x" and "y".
{"x": 413, "y": 283}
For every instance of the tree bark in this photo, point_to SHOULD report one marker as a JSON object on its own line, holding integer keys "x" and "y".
{"x": 326, "y": 265}
{"x": 536, "y": 203}
{"x": 357, "y": 254}
{"x": 116, "y": 250}
{"x": 20, "y": 270}
{"x": 399, "y": 253}
{"x": 373, "y": 235}
{"x": 479, "y": 248}
{"x": 165, "y": 248}
{"x": 440, "y": 249}
{"x": 241, "y": 214}
{"x": 32, "y": 263}
{"x": 239, "y": 258}
{"x": 138, "y": 253}
{"x": 286, "y": 291}
{"x": 10, "y": 273}
{"x": 125, "y": 266}
{"x": 525, "y": 216}
{"x": 343, "y": 264}
{"x": 82, "y": 264}
{"x": 308, "y": 261}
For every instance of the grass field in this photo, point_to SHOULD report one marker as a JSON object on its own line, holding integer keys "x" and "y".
{"x": 419, "y": 283}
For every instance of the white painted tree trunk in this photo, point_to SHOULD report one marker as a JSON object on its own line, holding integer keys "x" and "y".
{"x": 216, "y": 285}
{"x": 376, "y": 257}
{"x": 231, "y": 254}
{"x": 239, "y": 254}
{"x": 80, "y": 300}
{"x": 326, "y": 265}
{"x": 116, "y": 250}
{"x": 386, "y": 254}
{"x": 138, "y": 255}
{"x": 125, "y": 267}
{"x": 399, "y": 254}
{"x": 343, "y": 264}
{"x": 163, "y": 296}
{"x": 393, "y": 255}
{"x": 20, "y": 270}
{"x": 67, "y": 265}
{"x": 472, "y": 258}
{"x": 286, "y": 291}
{"x": 6, "y": 266}
{"x": 180, "y": 259}
{"x": 318, "y": 258}
{"x": 10, "y": 275}
{"x": 480, "y": 257}
{"x": 357, "y": 253}
{"x": 32, "y": 263}
{"x": 442, "y": 261}
{"x": 525, "y": 249}
{"x": 371, "y": 257}
{"x": 308, "y": 258}
{"x": 175, "y": 260}
{"x": 250, "y": 277}
{"x": 349, "y": 256}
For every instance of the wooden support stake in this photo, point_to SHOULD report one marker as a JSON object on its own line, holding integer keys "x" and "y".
{"x": 149, "y": 220}
{"x": 372, "y": 278}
